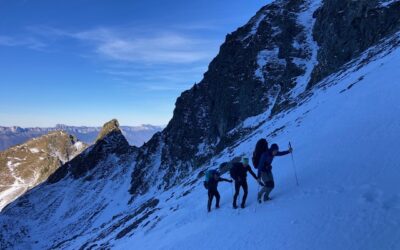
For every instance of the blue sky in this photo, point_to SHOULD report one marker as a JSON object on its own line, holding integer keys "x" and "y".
{"x": 86, "y": 62}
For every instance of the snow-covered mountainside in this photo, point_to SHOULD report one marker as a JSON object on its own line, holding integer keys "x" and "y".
{"x": 272, "y": 79}
{"x": 136, "y": 135}
{"x": 24, "y": 166}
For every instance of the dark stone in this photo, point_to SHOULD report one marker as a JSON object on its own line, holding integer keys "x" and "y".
{"x": 108, "y": 127}
{"x": 112, "y": 142}
{"x": 345, "y": 29}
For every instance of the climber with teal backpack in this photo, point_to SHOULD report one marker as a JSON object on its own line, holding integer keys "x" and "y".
{"x": 211, "y": 183}
{"x": 212, "y": 177}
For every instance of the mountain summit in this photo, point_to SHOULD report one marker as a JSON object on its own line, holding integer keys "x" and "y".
{"x": 109, "y": 143}
{"x": 109, "y": 127}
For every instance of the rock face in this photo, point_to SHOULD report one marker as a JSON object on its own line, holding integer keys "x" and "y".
{"x": 111, "y": 126}
{"x": 109, "y": 142}
{"x": 254, "y": 64}
{"x": 344, "y": 29}
{"x": 266, "y": 65}
{"x": 25, "y": 166}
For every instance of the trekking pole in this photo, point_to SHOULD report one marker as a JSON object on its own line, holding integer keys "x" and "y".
{"x": 258, "y": 191}
{"x": 294, "y": 165}
{"x": 238, "y": 201}
{"x": 233, "y": 193}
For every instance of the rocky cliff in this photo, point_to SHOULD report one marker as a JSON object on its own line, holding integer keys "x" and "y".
{"x": 110, "y": 142}
{"x": 344, "y": 29}
{"x": 265, "y": 65}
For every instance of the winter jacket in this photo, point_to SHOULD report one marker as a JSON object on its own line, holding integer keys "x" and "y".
{"x": 264, "y": 165}
{"x": 241, "y": 173}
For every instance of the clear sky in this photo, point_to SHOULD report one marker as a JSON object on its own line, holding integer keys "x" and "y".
{"x": 88, "y": 61}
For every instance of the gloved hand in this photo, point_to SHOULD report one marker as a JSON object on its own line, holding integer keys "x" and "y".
{"x": 260, "y": 182}
{"x": 230, "y": 181}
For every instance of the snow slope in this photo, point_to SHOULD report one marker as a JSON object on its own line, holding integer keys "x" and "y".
{"x": 346, "y": 150}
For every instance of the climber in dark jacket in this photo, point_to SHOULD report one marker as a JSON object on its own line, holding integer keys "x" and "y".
{"x": 240, "y": 178}
{"x": 212, "y": 186}
{"x": 265, "y": 171}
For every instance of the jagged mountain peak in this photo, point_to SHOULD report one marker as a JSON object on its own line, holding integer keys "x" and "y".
{"x": 109, "y": 127}
{"x": 110, "y": 143}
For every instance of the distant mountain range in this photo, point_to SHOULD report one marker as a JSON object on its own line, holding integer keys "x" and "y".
{"x": 136, "y": 135}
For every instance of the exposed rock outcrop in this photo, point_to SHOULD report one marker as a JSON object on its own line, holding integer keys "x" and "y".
{"x": 344, "y": 29}
{"x": 110, "y": 142}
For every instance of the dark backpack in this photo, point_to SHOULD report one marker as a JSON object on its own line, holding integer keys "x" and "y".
{"x": 234, "y": 170}
{"x": 255, "y": 160}
{"x": 261, "y": 147}
{"x": 209, "y": 174}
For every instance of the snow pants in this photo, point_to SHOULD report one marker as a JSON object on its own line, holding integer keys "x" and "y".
{"x": 239, "y": 184}
{"x": 268, "y": 180}
{"x": 211, "y": 194}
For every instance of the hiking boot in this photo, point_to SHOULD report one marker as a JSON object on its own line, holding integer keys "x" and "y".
{"x": 259, "y": 201}
{"x": 217, "y": 206}
{"x": 243, "y": 206}
{"x": 234, "y": 206}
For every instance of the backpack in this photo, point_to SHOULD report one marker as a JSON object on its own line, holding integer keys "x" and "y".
{"x": 209, "y": 174}
{"x": 234, "y": 169}
{"x": 255, "y": 160}
{"x": 261, "y": 147}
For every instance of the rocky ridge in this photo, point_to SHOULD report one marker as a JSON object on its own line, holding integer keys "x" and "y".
{"x": 27, "y": 165}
